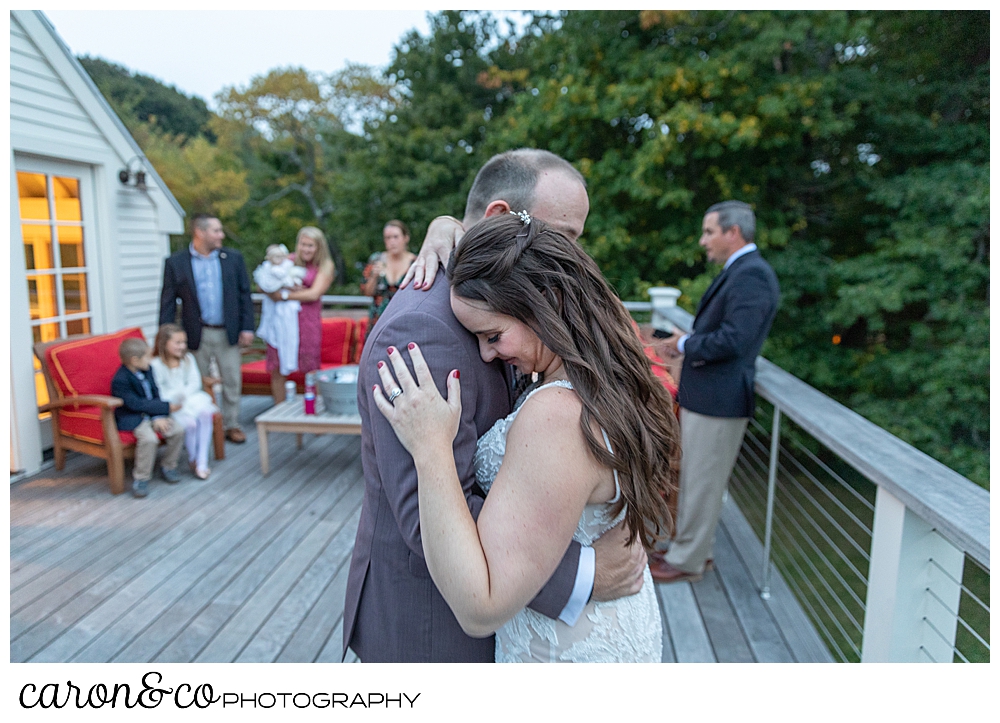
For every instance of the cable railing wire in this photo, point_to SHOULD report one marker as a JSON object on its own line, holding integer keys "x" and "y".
{"x": 944, "y": 638}
{"x": 822, "y": 578}
{"x": 825, "y": 537}
{"x": 829, "y": 518}
{"x": 833, "y": 498}
{"x": 818, "y": 619}
{"x": 957, "y": 617}
{"x": 829, "y": 565}
{"x": 826, "y": 468}
{"x": 812, "y": 499}
{"x": 754, "y": 458}
{"x": 862, "y": 551}
{"x": 966, "y": 590}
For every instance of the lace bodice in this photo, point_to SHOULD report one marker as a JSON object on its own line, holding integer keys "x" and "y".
{"x": 623, "y": 630}
{"x": 490, "y": 450}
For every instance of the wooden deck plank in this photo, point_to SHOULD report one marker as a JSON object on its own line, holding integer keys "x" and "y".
{"x": 270, "y": 640}
{"x": 687, "y": 631}
{"x": 47, "y": 494}
{"x": 669, "y": 654}
{"x": 236, "y": 634}
{"x": 250, "y": 510}
{"x": 200, "y": 527}
{"x": 183, "y": 629}
{"x": 102, "y": 530}
{"x": 216, "y": 614}
{"x": 101, "y": 565}
{"x": 92, "y": 580}
{"x": 244, "y": 544}
{"x": 322, "y": 625}
{"x": 62, "y": 506}
{"x": 331, "y": 651}
{"x": 762, "y": 633}
{"x": 804, "y": 642}
{"x": 724, "y": 632}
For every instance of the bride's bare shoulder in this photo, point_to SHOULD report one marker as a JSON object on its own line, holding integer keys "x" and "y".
{"x": 553, "y": 412}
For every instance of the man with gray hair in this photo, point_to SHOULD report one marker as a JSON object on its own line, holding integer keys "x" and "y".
{"x": 393, "y": 612}
{"x": 716, "y": 392}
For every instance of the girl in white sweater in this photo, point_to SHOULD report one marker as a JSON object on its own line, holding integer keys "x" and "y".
{"x": 179, "y": 380}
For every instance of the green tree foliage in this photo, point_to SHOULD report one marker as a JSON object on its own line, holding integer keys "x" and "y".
{"x": 140, "y": 98}
{"x": 287, "y": 129}
{"x": 202, "y": 177}
{"x": 418, "y": 159}
{"x": 860, "y": 138}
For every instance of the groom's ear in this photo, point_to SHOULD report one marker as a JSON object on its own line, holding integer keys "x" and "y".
{"x": 497, "y": 208}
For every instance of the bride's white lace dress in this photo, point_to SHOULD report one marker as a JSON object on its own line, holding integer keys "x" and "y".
{"x": 623, "y": 630}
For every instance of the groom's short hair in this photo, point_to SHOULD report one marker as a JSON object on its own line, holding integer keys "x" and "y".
{"x": 512, "y": 176}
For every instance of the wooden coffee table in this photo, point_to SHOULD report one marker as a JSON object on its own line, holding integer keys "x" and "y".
{"x": 290, "y": 416}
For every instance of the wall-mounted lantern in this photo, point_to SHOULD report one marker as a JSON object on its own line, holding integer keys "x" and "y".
{"x": 137, "y": 177}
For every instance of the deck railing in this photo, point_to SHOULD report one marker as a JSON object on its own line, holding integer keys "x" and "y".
{"x": 330, "y": 300}
{"x": 886, "y": 549}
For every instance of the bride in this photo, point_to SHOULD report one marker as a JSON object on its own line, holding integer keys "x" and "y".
{"x": 593, "y": 442}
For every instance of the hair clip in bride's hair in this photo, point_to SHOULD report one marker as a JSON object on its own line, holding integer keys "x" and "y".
{"x": 523, "y": 215}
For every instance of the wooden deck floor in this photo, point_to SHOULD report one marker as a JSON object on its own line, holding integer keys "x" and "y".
{"x": 246, "y": 568}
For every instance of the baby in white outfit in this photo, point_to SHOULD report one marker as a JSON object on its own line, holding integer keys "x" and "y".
{"x": 279, "y": 320}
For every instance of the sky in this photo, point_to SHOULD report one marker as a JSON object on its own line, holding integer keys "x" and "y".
{"x": 202, "y": 51}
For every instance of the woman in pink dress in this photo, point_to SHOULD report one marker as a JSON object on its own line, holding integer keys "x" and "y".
{"x": 312, "y": 253}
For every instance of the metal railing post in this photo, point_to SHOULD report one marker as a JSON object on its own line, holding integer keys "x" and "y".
{"x": 772, "y": 477}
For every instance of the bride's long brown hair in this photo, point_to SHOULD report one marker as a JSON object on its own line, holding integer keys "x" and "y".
{"x": 536, "y": 275}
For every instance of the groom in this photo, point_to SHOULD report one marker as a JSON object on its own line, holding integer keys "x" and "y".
{"x": 393, "y": 611}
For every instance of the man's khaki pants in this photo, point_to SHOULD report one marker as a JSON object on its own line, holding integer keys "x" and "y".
{"x": 146, "y": 444}
{"x": 215, "y": 343}
{"x": 709, "y": 448}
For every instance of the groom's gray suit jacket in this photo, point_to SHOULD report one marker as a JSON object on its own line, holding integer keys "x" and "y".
{"x": 393, "y": 611}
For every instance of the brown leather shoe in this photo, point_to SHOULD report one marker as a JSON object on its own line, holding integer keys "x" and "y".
{"x": 663, "y": 572}
{"x": 236, "y": 436}
{"x": 661, "y": 556}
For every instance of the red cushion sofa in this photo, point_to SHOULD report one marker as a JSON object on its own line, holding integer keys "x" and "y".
{"x": 78, "y": 372}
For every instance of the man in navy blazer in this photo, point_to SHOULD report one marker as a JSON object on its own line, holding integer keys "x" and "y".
{"x": 216, "y": 310}
{"x": 716, "y": 392}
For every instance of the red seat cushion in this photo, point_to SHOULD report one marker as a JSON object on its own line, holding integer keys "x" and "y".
{"x": 84, "y": 423}
{"x": 255, "y": 372}
{"x": 335, "y": 350}
{"x": 360, "y": 332}
{"x": 335, "y": 344}
{"x": 85, "y": 366}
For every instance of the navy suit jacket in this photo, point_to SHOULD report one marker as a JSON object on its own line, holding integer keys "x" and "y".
{"x": 178, "y": 283}
{"x": 128, "y": 388}
{"x": 732, "y": 322}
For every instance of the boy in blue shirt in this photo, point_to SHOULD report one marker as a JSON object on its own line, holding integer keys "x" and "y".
{"x": 144, "y": 414}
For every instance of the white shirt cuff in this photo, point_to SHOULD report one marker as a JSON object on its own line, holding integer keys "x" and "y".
{"x": 582, "y": 588}
{"x": 681, "y": 342}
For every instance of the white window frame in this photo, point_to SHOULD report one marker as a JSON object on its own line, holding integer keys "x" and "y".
{"x": 84, "y": 176}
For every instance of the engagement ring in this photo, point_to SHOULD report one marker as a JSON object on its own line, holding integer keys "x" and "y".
{"x": 394, "y": 393}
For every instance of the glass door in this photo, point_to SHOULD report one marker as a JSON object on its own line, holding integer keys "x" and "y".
{"x": 54, "y": 231}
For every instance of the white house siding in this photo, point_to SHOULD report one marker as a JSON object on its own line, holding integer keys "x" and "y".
{"x": 57, "y": 116}
{"x": 140, "y": 268}
{"x": 41, "y": 105}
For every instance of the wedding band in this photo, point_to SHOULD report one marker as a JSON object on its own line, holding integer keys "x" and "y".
{"x": 394, "y": 393}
